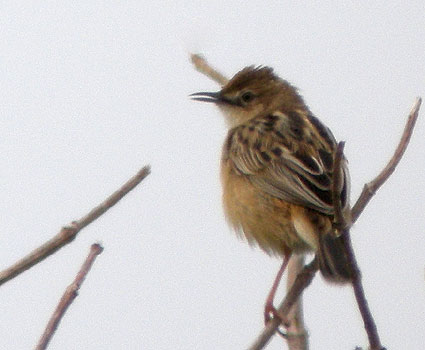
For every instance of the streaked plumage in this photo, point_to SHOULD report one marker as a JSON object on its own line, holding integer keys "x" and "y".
{"x": 276, "y": 169}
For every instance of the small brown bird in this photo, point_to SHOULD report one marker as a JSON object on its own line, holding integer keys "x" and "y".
{"x": 276, "y": 171}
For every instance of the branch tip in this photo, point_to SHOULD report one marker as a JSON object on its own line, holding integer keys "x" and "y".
{"x": 202, "y": 66}
{"x": 69, "y": 232}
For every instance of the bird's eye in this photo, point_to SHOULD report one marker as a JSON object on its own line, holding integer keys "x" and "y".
{"x": 247, "y": 97}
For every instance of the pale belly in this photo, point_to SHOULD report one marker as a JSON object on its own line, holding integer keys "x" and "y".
{"x": 260, "y": 218}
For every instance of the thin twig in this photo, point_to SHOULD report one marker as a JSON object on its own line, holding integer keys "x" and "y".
{"x": 202, "y": 66}
{"x": 368, "y": 321}
{"x": 302, "y": 281}
{"x": 296, "y": 333}
{"x": 370, "y": 188}
{"x": 68, "y": 297}
{"x": 342, "y": 226}
{"x": 368, "y": 192}
{"x": 69, "y": 233}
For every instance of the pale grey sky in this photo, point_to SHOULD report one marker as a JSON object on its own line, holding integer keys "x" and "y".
{"x": 93, "y": 90}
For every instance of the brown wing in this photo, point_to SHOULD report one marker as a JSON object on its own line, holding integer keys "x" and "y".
{"x": 289, "y": 157}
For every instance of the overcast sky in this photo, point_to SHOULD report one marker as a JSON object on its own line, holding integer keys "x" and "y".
{"x": 93, "y": 90}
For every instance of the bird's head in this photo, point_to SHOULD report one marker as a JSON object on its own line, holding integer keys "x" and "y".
{"x": 252, "y": 92}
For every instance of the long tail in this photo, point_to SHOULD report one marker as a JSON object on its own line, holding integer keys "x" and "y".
{"x": 333, "y": 259}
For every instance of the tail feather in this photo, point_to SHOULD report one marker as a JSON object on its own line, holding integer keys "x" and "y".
{"x": 333, "y": 259}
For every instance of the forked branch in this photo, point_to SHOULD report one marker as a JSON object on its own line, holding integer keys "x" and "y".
{"x": 68, "y": 233}
{"x": 370, "y": 188}
{"x": 68, "y": 297}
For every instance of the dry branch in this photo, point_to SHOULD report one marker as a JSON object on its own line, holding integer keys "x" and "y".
{"x": 296, "y": 333}
{"x": 368, "y": 321}
{"x": 342, "y": 226}
{"x": 202, "y": 66}
{"x": 69, "y": 233}
{"x": 370, "y": 188}
{"x": 68, "y": 297}
{"x": 368, "y": 192}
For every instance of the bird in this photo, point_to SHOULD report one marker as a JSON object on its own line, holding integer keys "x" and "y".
{"x": 277, "y": 173}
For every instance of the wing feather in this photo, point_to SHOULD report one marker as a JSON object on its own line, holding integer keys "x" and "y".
{"x": 283, "y": 164}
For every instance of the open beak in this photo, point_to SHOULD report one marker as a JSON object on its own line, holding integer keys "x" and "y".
{"x": 207, "y": 97}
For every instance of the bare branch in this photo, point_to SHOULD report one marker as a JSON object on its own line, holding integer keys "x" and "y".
{"x": 342, "y": 226}
{"x": 68, "y": 233}
{"x": 68, "y": 297}
{"x": 296, "y": 333}
{"x": 368, "y": 321}
{"x": 370, "y": 188}
{"x": 368, "y": 192}
{"x": 202, "y": 66}
{"x": 302, "y": 281}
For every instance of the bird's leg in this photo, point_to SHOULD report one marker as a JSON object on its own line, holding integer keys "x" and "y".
{"x": 269, "y": 309}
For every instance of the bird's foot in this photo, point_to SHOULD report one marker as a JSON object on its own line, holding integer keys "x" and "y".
{"x": 270, "y": 313}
